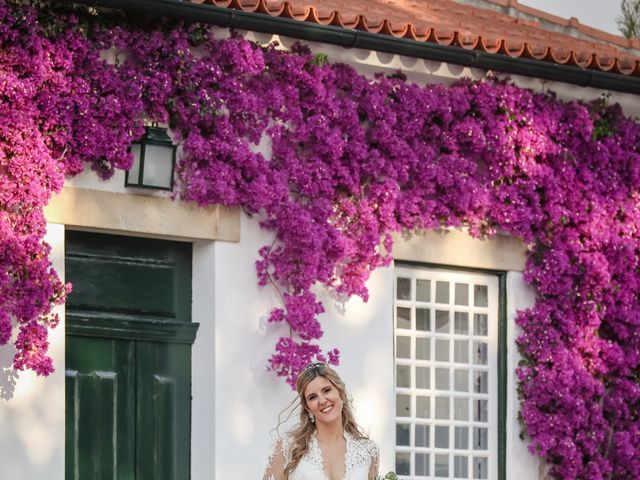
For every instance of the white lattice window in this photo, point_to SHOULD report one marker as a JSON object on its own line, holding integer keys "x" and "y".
{"x": 446, "y": 344}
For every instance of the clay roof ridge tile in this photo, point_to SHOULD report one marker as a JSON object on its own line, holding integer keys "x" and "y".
{"x": 581, "y": 58}
{"x": 221, "y": 3}
{"x": 271, "y": 7}
{"x": 491, "y": 43}
{"x": 420, "y": 32}
{"x": 246, "y": 5}
{"x": 396, "y": 29}
{"x": 536, "y": 51}
{"x": 604, "y": 62}
{"x": 323, "y": 16}
{"x": 297, "y": 11}
{"x": 370, "y": 24}
{"x": 347, "y": 20}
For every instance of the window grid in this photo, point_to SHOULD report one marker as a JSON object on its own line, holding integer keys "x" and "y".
{"x": 446, "y": 326}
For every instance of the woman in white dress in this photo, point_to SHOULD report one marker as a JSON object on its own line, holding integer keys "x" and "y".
{"x": 327, "y": 444}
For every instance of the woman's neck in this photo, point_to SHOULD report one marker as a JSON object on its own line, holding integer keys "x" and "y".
{"x": 329, "y": 433}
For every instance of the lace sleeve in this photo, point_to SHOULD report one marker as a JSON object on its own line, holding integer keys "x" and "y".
{"x": 375, "y": 460}
{"x": 276, "y": 464}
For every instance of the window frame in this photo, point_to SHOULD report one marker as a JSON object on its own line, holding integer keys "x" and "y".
{"x": 500, "y": 342}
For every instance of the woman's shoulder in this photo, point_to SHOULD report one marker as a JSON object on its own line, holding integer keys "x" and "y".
{"x": 286, "y": 441}
{"x": 282, "y": 443}
{"x": 368, "y": 445}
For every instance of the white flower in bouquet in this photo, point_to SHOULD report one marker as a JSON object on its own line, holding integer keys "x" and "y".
{"x": 388, "y": 476}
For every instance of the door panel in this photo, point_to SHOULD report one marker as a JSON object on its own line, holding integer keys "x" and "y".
{"x": 100, "y": 387}
{"x": 163, "y": 388}
{"x": 128, "y": 291}
{"x": 138, "y": 276}
{"x": 128, "y": 358}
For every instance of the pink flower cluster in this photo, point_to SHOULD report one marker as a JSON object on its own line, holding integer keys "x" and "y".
{"x": 353, "y": 159}
{"x": 61, "y": 106}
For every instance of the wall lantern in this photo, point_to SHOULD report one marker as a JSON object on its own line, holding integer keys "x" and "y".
{"x": 154, "y": 161}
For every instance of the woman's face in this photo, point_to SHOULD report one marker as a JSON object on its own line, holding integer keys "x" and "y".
{"x": 323, "y": 400}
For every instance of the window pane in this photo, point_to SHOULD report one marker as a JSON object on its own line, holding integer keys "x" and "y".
{"x": 423, "y": 352}
{"x": 422, "y": 377}
{"x": 480, "y": 295}
{"x": 403, "y": 462}
{"x": 442, "y": 379}
{"x": 461, "y": 321}
{"x": 462, "y": 294}
{"x": 442, "y": 466}
{"x": 461, "y": 351}
{"x": 448, "y": 340}
{"x": 480, "y": 356}
{"x": 423, "y": 290}
{"x": 423, "y": 407}
{"x": 481, "y": 382}
{"x": 422, "y": 464}
{"x": 480, "y": 438}
{"x": 403, "y": 376}
{"x": 442, "y": 408}
{"x": 423, "y": 322}
{"x": 403, "y": 347}
{"x": 461, "y": 408}
{"x": 461, "y": 380}
{"x": 442, "y": 321}
{"x": 442, "y": 350}
{"x": 402, "y": 434}
{"x": 480, "y": 324}
{"x": 462, "y": 438}
{"x": 460, "y": 467}
{"x": 480, "y": 467}
{"x": 442, "y": 437}
{"x": 403, "y": 289}
{"x": 403, "y": 405}
{"x": 480, "y": 411}
{"x": 403, "y": 318}
{"x": 442, "y": 292}
{"x": 421, "y": 433}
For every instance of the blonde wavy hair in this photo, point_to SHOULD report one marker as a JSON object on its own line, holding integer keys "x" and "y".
{"x": 301, "y": 435}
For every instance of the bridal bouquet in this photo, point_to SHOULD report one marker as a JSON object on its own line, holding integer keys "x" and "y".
{"x": 388, "y": 476}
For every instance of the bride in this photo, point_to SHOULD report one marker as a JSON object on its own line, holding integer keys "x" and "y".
{"x": 327, "y": 444}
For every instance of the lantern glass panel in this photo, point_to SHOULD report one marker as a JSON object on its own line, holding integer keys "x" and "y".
{"x": 158, "y": 165}
{"x": 133, "y": 176}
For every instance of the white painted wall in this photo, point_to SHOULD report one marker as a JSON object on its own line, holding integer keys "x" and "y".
{"x": 521, "y": 464}
{"x": 248, "y": 398}
{"x": 203, "y": 365}
{"x": 32, "y": 409}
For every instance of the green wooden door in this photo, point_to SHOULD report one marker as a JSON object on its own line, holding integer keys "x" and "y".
{"x": 128, "y": 358}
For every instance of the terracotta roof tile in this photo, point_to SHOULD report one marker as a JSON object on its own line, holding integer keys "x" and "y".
{"x": 504, "y": 27}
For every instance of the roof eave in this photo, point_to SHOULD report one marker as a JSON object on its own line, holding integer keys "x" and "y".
{"x": 231, "y": 18}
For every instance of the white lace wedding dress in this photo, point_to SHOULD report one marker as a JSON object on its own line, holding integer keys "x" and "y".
{"x": 361, "y": 460}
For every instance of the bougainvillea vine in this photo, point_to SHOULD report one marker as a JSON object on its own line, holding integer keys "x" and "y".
{"x": 351, "y": 160}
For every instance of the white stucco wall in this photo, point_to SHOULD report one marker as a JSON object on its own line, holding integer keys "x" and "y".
{"x": 521, "y": 464}
{"x": 32, "y": 408}
{"x": 248, "y": 399}
{"x": 203, "y": 366}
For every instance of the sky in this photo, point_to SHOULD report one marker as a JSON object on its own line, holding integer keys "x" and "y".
{"x": 600, "y": 14}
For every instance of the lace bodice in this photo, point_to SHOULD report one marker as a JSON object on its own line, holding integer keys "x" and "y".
{"x": 361, "y": 460}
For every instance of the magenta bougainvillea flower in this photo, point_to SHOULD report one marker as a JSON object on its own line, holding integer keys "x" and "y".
{"x": 353, "y": 159}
